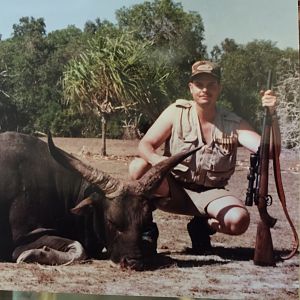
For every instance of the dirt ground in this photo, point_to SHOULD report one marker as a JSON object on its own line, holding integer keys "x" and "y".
{"x": 228, "y": 273}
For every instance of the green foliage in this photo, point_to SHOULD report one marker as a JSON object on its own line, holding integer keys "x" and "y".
{"x": 70, "y": 124}
{"x": 35, "y": 63}
{"x": 115, "y": 73}
{"x": 29, "y": 26}
{"x": 130, "y": 71}
{"x": 177, "y": 37}
{"x": 245, "y": 70}
{"x": 26, "y": 55}
{"x": 8, "y": 113}
{"x": 167, "y": 25}
{"x": 288, "y": 110}
{"x": 103, "y": 76}
{"x": 150, "y": 76}
{"x": 244, "y": 74}
{"x": 110, "y": 76}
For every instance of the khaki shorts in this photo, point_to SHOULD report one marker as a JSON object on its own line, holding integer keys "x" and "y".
{"x": 186, "y": 201}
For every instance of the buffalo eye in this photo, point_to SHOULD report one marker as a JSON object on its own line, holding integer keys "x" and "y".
{"x": 115, "y": 226}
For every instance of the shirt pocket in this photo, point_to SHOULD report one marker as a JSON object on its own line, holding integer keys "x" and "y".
{"x": 223, "y": 159}
{"x": 222, "y": 165}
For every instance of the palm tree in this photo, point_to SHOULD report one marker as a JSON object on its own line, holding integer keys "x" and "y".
{"x": 104, "y": 78}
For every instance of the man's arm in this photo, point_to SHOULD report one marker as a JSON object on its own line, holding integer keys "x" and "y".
{"x": 157, "y": 134}
{"x": 247, "y": 137}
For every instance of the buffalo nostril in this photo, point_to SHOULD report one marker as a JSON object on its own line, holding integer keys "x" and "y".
{"x": 132, "y": 264}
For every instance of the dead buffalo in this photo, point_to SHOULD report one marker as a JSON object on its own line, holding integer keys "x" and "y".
{"x": 55, "y": 210}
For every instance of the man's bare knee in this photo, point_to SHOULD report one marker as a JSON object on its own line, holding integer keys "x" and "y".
{"x": 231, "y": 214}
{"x": 138, "y": 167}
{"x": 237, "y": 220}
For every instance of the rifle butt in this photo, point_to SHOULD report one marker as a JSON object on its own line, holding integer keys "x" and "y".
{"x": 264, "y": 253}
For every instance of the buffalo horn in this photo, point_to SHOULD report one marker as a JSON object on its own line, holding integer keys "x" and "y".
{"x": 151, "y": 180}
{"x": 111, "y": 187}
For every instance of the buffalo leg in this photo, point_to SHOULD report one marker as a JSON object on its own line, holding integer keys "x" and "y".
{"x": 50, "y": 250}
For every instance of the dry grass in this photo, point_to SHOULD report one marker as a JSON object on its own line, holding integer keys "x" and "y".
{"x": 227, "y": 274}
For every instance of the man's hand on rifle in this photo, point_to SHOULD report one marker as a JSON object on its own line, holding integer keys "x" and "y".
{"x": 269, "y": 100}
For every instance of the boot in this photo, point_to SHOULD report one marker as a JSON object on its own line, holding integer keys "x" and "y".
{"x": 149, "y": 239}
{"x": 199, "y": 232}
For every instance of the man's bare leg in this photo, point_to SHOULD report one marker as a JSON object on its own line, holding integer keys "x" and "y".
{"x": 228, "y": 215}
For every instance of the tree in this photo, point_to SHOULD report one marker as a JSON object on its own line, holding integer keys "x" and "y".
{"x": 8, "y": 117}
{"x": 166, "y": 24}
{"x": 35, "y": 62}
{"x": 91, "y": 27}
{"x": 157, "y": 75}
{"x": 108, "y": 76}
{"x": 63, "y": 45}
{"x": 26, "y": 53}
{"x": 177, "y": 37}
{"x": 244, "y": 74}
{"x": 288, "y": 109}
{"x": 29, "y": 26}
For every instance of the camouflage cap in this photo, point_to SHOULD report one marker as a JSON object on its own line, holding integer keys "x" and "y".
{"x": 208, "y": 67}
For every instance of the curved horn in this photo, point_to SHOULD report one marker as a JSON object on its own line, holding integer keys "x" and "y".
{"x": 110, "y": 186}
{"x": 153, "y": 178}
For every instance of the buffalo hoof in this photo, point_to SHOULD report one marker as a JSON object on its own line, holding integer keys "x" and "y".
{"x": 49, "y": 256}
{"x": 34, "y": 256}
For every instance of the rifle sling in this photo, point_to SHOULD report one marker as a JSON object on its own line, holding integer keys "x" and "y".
{"x": 280, "y": 190}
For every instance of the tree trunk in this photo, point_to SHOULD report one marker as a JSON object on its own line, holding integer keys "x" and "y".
{"x": 103, "y": 123}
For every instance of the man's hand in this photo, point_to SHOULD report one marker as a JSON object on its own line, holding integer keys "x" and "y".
{"x": 269, "y": 100}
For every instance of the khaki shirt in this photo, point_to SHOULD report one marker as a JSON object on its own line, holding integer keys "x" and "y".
{"x": 214, "y": 163}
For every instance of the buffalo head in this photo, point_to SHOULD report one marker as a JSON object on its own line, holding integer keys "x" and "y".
{"x": 122, "y": 209}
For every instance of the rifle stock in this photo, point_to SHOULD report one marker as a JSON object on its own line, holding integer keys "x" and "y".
{"x": 264, "y": 253}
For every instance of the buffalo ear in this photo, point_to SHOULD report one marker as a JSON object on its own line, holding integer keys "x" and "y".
{"x": 83, "y": 206}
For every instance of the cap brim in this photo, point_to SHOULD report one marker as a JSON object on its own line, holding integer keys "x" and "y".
{"x": 203, "y": 72}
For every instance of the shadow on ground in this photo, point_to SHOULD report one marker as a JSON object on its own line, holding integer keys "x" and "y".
{"x": 218, "y": 256}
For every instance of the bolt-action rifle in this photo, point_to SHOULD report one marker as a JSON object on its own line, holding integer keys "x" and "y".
{"x": 257, "y": 190}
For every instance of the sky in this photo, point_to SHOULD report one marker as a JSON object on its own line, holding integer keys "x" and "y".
{"x": 241, "y": 20}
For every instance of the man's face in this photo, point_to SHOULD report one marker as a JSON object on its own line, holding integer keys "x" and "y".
{"x": 205, "y": 89}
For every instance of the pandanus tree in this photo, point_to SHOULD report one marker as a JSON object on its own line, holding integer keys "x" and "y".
{"x": 111, "y": 75}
